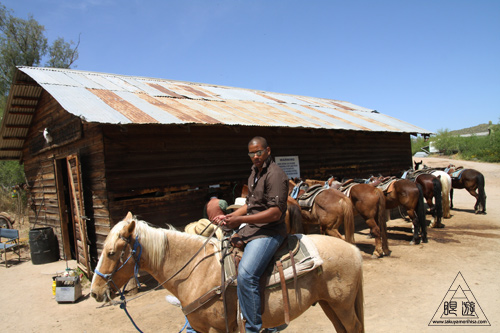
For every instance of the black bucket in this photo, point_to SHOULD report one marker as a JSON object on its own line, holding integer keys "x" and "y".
{"x": 43, "y": 246}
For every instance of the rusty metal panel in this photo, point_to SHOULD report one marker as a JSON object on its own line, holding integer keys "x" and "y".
{"x": 82, "y": 103}
{"x": 133, "y": 113}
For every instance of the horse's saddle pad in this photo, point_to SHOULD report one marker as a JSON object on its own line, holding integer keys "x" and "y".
{"x": 305, "y": 254}
{"x": 457, "y": 174}
{"x": 387, "y": 186}
{"x": 346, "y": 189}
{"x": 306, "y": 200}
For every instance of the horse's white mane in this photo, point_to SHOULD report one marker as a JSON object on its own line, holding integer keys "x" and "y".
{"x": 152, "y": 238}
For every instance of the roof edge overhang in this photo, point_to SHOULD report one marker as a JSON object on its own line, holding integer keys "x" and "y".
{"x": 26, "y": 91}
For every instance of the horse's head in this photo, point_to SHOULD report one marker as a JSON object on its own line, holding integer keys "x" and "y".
{"x": 418, "y": 164}
{"x": 116, "y": 265}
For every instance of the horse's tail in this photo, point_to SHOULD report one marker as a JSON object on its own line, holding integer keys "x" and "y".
{"x": 438, "y": 198}
{"x": 445, "y": 193}
{"x": 296, "y": 226}
{"x": 480, "y": 190}
{"x": 382, "y": 215}
{"x": 420, "y": 210}
{"x": 348, "y": 210}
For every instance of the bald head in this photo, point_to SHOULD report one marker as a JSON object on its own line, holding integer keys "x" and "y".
{"x": 258, "y": 140}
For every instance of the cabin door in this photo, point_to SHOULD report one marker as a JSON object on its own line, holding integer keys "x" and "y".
{"x": 72, "y": 211}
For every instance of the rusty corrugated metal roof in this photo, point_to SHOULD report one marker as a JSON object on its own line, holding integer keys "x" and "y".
{"x": 120, "y": 99}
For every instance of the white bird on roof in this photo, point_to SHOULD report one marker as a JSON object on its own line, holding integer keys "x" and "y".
{"x": 47, "y": 135}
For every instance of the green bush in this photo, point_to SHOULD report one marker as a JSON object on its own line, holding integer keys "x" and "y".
{"x": 12, "y": 195}
{"x": 478, "y": 148}
{"x": 417, "y": 144}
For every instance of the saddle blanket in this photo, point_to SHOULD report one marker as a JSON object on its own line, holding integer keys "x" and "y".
{"x": 457, "y": 174}
{"x": 307, "y": 258}
{"x": 388, "y": 186}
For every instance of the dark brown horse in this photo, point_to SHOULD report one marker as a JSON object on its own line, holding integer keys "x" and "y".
{"x": 431, "y": 189}
{"x": 369, "y": 202}
{"x": 445, "y": 185}
{"x": 404, "y": 192}
{"x": 471, "y": 180}
{"x": 330, "y": 210}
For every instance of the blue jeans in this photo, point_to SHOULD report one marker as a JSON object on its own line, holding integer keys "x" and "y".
{"x": 257, "y": 255}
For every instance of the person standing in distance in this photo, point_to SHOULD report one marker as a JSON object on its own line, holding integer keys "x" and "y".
{"x": 263, "y": 216}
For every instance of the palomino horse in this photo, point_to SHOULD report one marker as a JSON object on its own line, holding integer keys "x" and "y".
{"x": 330, "y": 210}
{"x": 445, "y": 186}
{"x": 409, "y": 195}
{"x": 471, "y": 180}
{"x": 166, "y": 254}
{"x": 369, "y": 202}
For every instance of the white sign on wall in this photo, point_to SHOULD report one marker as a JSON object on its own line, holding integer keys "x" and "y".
{"x": 289, "y": 164}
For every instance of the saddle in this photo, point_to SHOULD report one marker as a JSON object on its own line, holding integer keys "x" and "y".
{"x": 289, "y": 253}
{"x": 296, "y": 256}
{"x": 291, "y": 260}
{"x": 306, "y": 200}
{"x": 346, "y": 185}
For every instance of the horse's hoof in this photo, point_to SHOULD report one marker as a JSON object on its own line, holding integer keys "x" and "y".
{"x": 425, "y": 240}
{"x": 438, "y": 226}
{"x": 376, "y": 256}
{"x": 413, "y": 242}
{"x": 387, "y": 253}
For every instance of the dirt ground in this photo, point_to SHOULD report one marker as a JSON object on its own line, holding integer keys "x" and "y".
{"x": 402, "y": 292}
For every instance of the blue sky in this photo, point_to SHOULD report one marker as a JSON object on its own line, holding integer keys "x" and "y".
{"x": 432, "y": 63}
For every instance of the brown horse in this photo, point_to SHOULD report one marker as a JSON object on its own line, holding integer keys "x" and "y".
{"x": 293, "y": 219}
{"x": 174, "y": 259}
{"x": 408, "y": 194}
{"x": 471, "y": 180}
{"x": 330, "y": 210}
{"x": 369, "y": 202}
{"x": 431, "y": 189}
{"x": 445, "y": 185}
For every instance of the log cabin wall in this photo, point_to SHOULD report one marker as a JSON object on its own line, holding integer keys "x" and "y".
{"x": 162, "y": 172}
{"x": 49, "y": 202}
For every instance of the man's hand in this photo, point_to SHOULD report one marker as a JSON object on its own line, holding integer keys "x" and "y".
{"x": 233, "y": 221}
{"x": 219, "y": 219}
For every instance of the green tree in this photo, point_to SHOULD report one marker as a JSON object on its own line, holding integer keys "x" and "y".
{"x": 23, "y": 43}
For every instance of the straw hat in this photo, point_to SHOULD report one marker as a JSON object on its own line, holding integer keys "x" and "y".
{"x": 202, "y": 227}
{"x": 238, "y": 203}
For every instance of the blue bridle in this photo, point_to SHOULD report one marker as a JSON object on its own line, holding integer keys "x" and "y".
{"x": 109, "y": 277}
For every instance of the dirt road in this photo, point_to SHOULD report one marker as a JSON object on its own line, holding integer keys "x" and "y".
{"x": 402, "y": 292}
